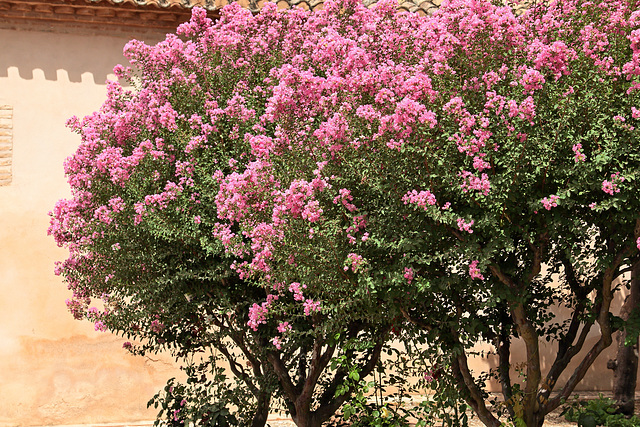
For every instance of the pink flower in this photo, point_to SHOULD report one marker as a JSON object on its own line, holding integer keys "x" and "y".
{"x": 550, "y": 202}
{"x": 100, "y": 326}
{"x": 472, "y": 182}
{"x": 455, "y": 106}
{"x": 474, "y": 271}
{"x": 257, "y": 315}
{"x": 277, "y": 342}
{"x": 638, "y": 243}
{"x": 421, "y": 199}
{"x": 103, "y": 214}
{"x": 408, "y": 274}
{"x": 284, "y": 327}
{"x": 310, "y": 307}
{"x": 312, "y": 211}
{"x": 296, "y": 289}
{"x": 117, "y": 204}
{"x": 465, "y": 226}
{"x": 356, "y": 262}
{"x": 532, "y": 80}
{"x": 490, "y": 78}
{"x": 428, "y": 377}
{"x": 611, "y": 187}
{"x": 579, "y": 155}
{"x": 156, "y": 326}
{"x": 345, "y": 197}
{"x": 528, "y": 109}
{"x": 480, "y": 164}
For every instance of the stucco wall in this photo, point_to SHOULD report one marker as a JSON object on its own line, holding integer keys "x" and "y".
{"x": 55, "y": 370}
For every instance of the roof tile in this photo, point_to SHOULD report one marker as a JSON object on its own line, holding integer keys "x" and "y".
{"x": 165, "y": 4}
{"x": 420, "y": 6}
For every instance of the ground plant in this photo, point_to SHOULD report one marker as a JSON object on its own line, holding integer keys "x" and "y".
{"x": 291, "y": 191}
{"x": 598, "y": 412}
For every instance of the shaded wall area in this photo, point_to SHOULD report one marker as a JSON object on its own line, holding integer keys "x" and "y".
{"x": 55, "y": 370}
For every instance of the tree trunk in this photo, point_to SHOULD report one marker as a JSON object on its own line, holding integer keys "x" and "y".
{"x": 306, "y": 418}
{"x": 625, "y": 365}
{"x": 262, "y": 411}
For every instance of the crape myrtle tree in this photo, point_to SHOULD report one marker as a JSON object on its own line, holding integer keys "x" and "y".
{"x": 298, "y": 184}
{"x": 154, "y": 254}
{"x": 473, "y": 171}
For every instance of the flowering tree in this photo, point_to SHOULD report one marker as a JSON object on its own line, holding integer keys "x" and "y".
{"x": 305, "y": 182}
{"x": 150, "y": 238}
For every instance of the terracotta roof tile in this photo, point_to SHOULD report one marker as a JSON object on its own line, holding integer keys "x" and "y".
{"x": 165, "y": 4}
{"x": 420, "y": 6}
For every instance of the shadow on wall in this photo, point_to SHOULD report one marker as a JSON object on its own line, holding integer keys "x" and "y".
{"x": 75, "y": 58}
{"x": 597, "y": 378}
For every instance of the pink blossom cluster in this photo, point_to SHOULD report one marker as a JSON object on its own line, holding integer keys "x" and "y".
{"x": 296, "y": 289}
{"x": 428, "y": 376}
{"x": 156, "y": 326}
{"x": 358, "y": 224}
{"x": 409, "y": 274}
{"x": 611, "y": 186}
{"x": 474, "y": 271}
{"x": 311, "y": 306}
{"x": 550, "y": 202}
{"x": 284, "y": 327}
{"x": 532, "y": 80}
{"x": 579, "y": 155}
{"x": 97, "y": 317}
{"x": 258, "y": 312}
{"x": 472, "y": 182}
{"x": 465, "y": 226}
{"x": 420, "y": 199}
{"x": 354, "y": 262}
{"x": 345, "y": 198}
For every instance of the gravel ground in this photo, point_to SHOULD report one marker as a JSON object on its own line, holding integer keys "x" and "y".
{"x": 552, "y": 420}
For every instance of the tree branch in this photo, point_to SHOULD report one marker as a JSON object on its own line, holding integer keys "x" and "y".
{"x": 325, "y": 411}
{"x": 605, "y": 330}
{"x": 503, "y": 348}
{"x": 319, "y": 362}
{"x": 414, "y": 321}
{"x": 472, "y": 393}
{"x": 566, "y": 349}
{"x": 283, "y": 376}
{"x": 530, "y": 337}
{"x": 240, "y": 373}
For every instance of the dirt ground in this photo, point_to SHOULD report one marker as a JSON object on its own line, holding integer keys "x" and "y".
{"x": 552, "y": 420}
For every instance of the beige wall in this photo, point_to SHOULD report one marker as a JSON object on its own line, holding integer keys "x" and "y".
{"x": 53, "y": 369}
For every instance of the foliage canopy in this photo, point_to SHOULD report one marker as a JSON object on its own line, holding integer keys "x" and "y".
{"x": 299, "y": 184}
